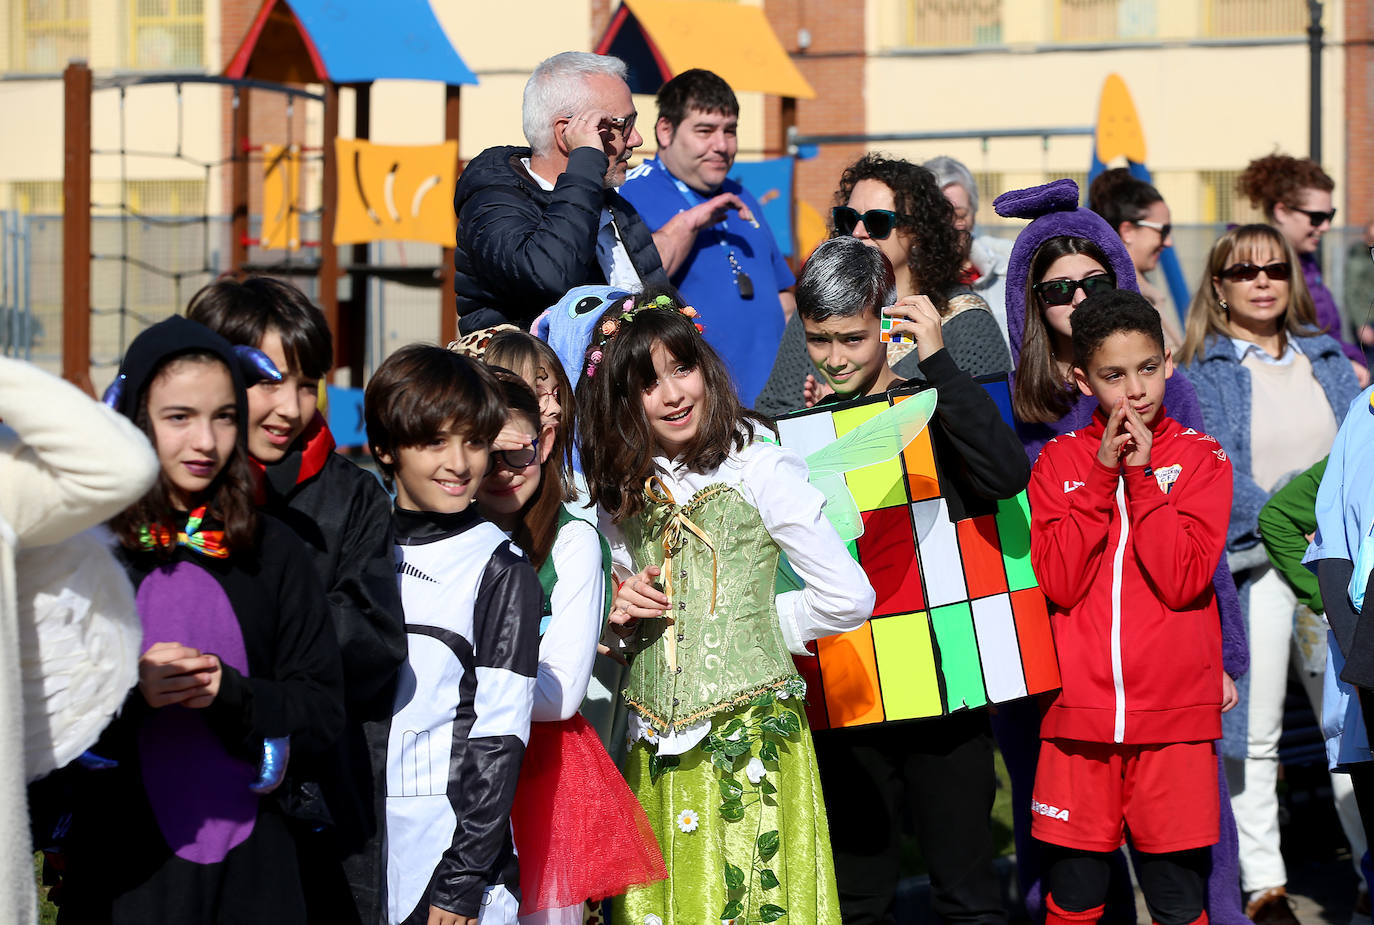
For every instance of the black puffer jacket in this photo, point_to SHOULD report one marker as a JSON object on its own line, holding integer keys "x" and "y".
{"x": 521, "y": 248}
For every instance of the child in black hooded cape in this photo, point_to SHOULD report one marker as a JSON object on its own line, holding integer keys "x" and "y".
{"x": 238, "y": 648}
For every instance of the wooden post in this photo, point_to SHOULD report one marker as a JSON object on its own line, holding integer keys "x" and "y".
{"x": 76, "y": 226}
{"x": 448, "y": 300}
{"x": 352, "y": 329}
{"x": 329, "y": 252}
{"x": 238, "y": 181}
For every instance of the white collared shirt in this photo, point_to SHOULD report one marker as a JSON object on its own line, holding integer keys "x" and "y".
{"x": 610, "y": 250}
{"x": 1244, "y": 348}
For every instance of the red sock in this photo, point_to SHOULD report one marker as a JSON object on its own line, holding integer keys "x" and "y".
{"x": 1057, "y": 916}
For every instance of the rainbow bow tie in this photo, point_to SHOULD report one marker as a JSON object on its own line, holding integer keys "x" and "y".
{"x": 206, "y": 542}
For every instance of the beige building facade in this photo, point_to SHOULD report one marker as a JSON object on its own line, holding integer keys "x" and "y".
{"x": 1215, "y": 83}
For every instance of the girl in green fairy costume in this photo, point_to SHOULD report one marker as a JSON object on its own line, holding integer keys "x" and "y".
{"x": 698, "y": 511}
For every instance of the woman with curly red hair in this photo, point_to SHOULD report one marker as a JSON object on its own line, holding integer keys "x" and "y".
{"x": 1295, "y": 195}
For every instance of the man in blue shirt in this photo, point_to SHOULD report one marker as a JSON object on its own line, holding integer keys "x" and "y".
{"x": 710, "y": 231}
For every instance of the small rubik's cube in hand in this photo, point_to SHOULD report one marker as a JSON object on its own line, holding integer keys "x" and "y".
{"x": 889, "y": 336}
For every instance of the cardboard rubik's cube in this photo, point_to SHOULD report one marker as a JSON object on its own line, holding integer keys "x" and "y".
{"x": 959, "y": 620}
{"x": 889, "y": 336}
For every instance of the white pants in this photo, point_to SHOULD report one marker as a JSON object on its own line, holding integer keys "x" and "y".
{"x": 1254, "y": 781}
{"x": 568, "y": 915}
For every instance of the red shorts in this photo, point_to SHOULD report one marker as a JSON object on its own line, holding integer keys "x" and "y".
{"x": 1087, "y": 795}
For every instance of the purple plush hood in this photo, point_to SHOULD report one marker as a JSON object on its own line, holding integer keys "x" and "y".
{"x": 1055, "y": 211}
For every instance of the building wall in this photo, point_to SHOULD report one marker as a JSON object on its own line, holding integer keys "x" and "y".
{"x": 1358, "y": 115}
{"x": 833, "y": 63}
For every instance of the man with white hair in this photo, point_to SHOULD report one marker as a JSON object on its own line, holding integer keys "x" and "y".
{"x": 535, "y": 222}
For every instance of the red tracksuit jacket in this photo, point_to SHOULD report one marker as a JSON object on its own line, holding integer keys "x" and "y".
{"x": 1126, "y": 560}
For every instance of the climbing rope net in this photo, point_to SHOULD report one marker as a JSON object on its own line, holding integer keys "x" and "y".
{"x": 162, "y": 210}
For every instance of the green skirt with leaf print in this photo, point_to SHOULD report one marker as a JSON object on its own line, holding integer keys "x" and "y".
{"x": 741, "y": 822}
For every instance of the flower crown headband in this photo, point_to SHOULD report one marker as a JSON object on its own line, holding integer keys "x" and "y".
{"x": 628, "y": 310}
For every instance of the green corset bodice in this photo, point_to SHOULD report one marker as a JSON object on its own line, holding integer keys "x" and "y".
{"x": 717, "y": 653}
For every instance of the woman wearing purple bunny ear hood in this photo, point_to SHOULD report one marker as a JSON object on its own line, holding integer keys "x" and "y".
{"x": 1046, "y": 407}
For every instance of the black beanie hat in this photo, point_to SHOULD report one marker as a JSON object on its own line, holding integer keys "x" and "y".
{"x": 172, "y": 337}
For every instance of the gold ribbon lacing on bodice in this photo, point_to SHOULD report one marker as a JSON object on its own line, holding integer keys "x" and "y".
{"x": 674, "y": 539}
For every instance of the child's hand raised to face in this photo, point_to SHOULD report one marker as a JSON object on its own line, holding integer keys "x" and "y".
{"x": 512, "y": 437}
{"x": 1127, "y": 438}
{"x": 171, "y": 673}
{"x": 1138, "y": 450}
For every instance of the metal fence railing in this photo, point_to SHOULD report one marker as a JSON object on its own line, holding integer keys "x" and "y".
{"x": 166, "y": 266}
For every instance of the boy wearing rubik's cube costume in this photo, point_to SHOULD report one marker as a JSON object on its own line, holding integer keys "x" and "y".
{"x": 941, "y": 767}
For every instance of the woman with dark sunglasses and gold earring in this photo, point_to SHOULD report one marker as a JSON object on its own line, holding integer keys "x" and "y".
{"x": 899, "y": 208}
{"x": 1295, "y": 195}
{"x": 1273, "y": 390}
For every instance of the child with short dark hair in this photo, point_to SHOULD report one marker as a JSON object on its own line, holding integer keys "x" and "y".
{"x": 462, "y": 711}
{"x": 1128, "y": 523}
{"x": 344, "y": 516}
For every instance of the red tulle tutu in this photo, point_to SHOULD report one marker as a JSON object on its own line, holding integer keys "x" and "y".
{"x": 580, "y": 832}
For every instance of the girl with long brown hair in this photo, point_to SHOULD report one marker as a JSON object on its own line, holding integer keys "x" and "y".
{"x": 699, "y": 512}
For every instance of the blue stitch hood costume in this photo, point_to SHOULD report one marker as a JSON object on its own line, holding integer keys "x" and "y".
{"x": 567, "y": 327}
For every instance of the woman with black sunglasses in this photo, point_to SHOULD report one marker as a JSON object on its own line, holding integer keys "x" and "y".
{"x": 1295, "y": 195}
{"x": 1273, "y": 390}
{"x": 899, "y": 208}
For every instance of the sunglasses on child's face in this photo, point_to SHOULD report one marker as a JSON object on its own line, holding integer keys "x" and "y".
{"x": 1244, "y": 272}
{"x": 1060, "y": 291}
{"x": 879, "y": 223}
{"x": 516, "y": 460}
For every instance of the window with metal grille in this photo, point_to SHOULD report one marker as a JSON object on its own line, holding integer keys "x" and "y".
{"x": 951, "y": 23}
{"x": 1244, "y": 18}
{"x": 47, "y": 33}
{"x": 36, "y": 197}
{"x": 990, "y": 185}
{"x": 1218, "y": 201}
{"x": 166, "y": 197}
{"x": 166, "y": 35}
{"x": 1104, "y": 20}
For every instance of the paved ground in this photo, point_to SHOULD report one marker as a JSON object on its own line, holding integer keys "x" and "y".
{"x": 1321, "y": 878}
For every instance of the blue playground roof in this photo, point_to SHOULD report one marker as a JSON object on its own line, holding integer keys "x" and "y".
{"x": 348, "y": 41}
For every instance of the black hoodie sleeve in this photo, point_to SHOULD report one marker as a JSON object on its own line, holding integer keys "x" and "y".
{"x": 991, "y": 459}
{"x": 365, "y": 600}
{"x": 302, "y": 694}
{"x": 506, "y": 652}
{"x": 1333, "y": 577}
{"x": 532, "y": 255}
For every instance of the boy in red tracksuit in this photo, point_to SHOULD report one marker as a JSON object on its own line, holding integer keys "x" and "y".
{"x": 1128, "y": 522}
